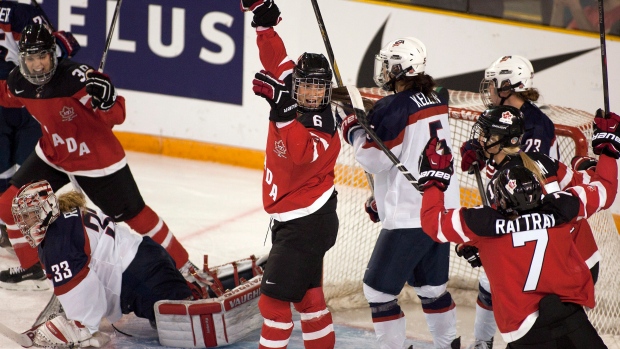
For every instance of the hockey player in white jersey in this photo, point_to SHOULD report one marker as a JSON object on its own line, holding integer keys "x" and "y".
{"x": 98, "y": 269}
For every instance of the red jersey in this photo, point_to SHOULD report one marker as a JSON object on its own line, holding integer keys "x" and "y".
{"x": 76, "y": 139}
{"x": 301, "y": 154}
{"x": 532, "y": 256}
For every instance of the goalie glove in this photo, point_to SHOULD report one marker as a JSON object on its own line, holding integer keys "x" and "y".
{"x": 606, "y": 138}
{"x": 266, "y": 12}
{"x": 283, "y": 107}
{"x": 62, "y": 333}
{"x": 99, "y": 86}
{"x": 435, "y": 168}
{"x": 470, "y": 253}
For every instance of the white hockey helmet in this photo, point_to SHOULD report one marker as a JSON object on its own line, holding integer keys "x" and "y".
{"x": 399, "y": 58}
{"x": 508, "y": 73}
{"x": 34, "y": 207}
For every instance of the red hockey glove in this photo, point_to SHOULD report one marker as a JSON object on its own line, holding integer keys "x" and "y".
{"x": 470, "y": 253}
{"x": 435, "y": 168}
{"x": 606, "y": 138}
{"x": 370, "y": 206}
{"x": 67, "y": 43}
{"x": 283, "y": 107}
{"x": 348, "y": 126}
{"x": 583, "y": 163}
{"x": 99, "y": 86}
{"x": 266, "y": 12}
{"x": 470, "y": 155}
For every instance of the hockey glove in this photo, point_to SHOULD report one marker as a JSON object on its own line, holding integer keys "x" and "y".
{"x": 67, "y": 44}
{"x": 470, "y": 155}
{"x": 606, "y": 138}
{"x": 349, "y": 125}
{"x": 470, "y": 253}
{"x": 435, "y": 168}
{"x": 370, "y": 206}
{"x": 99, "y": 86}
{"x": 266, "y": 12}
{"x": 583, "y": 163}
{"x": 283, "y": 107}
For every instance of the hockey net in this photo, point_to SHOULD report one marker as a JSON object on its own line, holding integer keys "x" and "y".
{"x": 346, "y": 262}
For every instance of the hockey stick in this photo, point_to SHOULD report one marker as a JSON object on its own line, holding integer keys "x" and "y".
{"x": 358, "y": 106}
{"x": 332, "y": 60}
{"x": 117, "y": 12}
{"x": 483, "y": 193}
{"x": 23, "y": 339}
{"x": 38, "y": 7}
{"x": 601, "y": 25}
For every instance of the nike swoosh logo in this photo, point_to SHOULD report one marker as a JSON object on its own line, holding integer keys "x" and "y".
{"x": 269, "y": 282}
{"x": 18, "y": 91}
{"x": 461, "y": 82}
{"x": 118, "y": 216}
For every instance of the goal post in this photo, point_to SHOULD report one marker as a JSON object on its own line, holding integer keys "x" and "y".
{"x": 346, "y": 262}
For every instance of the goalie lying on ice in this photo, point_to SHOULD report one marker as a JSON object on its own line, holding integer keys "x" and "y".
{"x": 98, "y": 269}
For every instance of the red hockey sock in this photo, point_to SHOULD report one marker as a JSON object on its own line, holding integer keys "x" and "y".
{"x": 148, "y": 223}
{"x": 278, "y": 323}
{"x": 316, "y": 320}
{"x": 27, "y": 255}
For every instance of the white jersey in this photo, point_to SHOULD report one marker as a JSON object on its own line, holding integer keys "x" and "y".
{"x": 85, "y": 256}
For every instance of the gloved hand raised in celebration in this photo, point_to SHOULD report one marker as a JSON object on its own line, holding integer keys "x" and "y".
{"x": 435, "y": 166}
{"x": 283, "y": 107}
{"x": 606, "y": 138}
{"x": 470, "y": 253}
{"x": 583, "y": 163}
{"x": 470, "y": 155}
{"x": 370, "y": 206}
{"x": 67, "y": 43}
{"x": 99, "y": 86}
{"x": 266, "y": 12}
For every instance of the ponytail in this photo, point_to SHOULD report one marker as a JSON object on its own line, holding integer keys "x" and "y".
{"x": 527, "y": 163}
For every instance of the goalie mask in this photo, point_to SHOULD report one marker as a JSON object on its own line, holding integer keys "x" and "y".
{"x": 34, "y": 208}
{"x": 501, "y": 126}
{"x": 37, "y": 54}
{"x": 517, "y": 190}
{"x": 399, "y": 58}
{"x": 312, "y": 82}
{"x": 506, "y": 75}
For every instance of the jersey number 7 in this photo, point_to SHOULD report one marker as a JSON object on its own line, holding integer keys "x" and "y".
{"x": 540, "y": 237}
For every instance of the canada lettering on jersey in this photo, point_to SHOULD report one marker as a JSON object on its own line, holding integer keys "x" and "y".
{"x": 421, "y": 100}
{"x": 526, "y": 222}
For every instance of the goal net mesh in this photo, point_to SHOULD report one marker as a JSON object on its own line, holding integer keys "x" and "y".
{"x": 346, "y": 262}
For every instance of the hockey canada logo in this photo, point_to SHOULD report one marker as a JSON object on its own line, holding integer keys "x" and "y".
{"x": 67, "y": 113}
{"x": 511, "y": 185}
{"x": 280, "y": 149}
{"x": 506, "y": 118}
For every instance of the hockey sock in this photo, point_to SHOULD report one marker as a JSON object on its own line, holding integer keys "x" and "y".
{"x": 27, "y": 255}
{"x": 484, "y": 325}
{"x": 277, "y": 324}
{"x": 316, "y": 320}
{"x": 148, "y": 223}
{"x": 440, "y": 314}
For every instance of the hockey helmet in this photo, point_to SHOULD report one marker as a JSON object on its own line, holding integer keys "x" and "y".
{"x": 517, "y": 190}
{"x": 508, "y": 73}
{"x": 399, "y": 58}
{"x": 37, "y": 44}
{"x": 502, "y": 125}
{"x": 34, "y": 208}
{"x": 312, "y": 82}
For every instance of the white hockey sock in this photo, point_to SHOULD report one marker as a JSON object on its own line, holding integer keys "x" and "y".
{"x": 485, "y": 325}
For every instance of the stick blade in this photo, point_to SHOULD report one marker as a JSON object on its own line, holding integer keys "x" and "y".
{"x": 22, "y": 339}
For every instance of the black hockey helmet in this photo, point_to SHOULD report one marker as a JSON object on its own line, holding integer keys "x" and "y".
{"x": 37, "y": 40}
{"x": 505, "y": 122}
{"x": 517, "y": 190}
{"x": 314, "y": 75}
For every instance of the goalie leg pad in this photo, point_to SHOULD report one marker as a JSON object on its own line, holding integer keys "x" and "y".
{"x": 210, "y": 323}
{"x": 278, "y": 323}
{"x": 316, "y": 320}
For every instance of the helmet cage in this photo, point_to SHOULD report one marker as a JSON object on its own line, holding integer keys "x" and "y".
{"x": 37, "y": 42}
{"x": 33, "y": 77}
{"x": 35, "y": 207}
{"x": 517, "y": 190}
{"x": 312, "y": 94}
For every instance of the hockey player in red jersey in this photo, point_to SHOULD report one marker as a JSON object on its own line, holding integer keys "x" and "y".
{"x": 497, "y": 137}
{"x": 99, "y": 269}
{"x": 536, "y": 304}
{"x": 77, "y": 108}
{"x": 298, "y": 184}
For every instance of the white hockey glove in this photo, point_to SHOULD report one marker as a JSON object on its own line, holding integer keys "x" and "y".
{"x": 62, "y": 333}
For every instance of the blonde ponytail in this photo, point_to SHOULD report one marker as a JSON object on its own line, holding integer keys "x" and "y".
{"x": 527, "y": 163}
{"x": 71, "y": 200}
